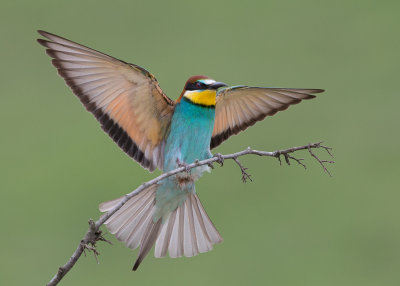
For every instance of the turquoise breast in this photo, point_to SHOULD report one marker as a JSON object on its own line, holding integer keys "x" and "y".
{"x": 190, "y": 134}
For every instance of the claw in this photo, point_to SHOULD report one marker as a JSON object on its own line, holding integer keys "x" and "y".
{"x": 183, "y": 164}
{"x": 220, "y": 158}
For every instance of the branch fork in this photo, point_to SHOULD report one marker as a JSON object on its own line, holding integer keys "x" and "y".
{"x": 91, "y": 238}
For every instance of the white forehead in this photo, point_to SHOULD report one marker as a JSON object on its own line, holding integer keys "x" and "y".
{"x": 207, "y": 81}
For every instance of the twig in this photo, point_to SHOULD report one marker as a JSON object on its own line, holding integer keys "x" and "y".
{"x": 321, "y": 162}
{"x": 245, "y": 176}
{"x": 94, "y": 234}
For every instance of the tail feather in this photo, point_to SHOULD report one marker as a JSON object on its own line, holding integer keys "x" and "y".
{"x": 163, "y": 239}
{"x": 129, "y": 222}
{"x": 148, "y": 240}
{"x": 190, "y": 247}
{"x": 135, "y": 230}
{"x": 210, "y": 229}
{"x": 175, "y": 248}
{"x": 187, "y": 231}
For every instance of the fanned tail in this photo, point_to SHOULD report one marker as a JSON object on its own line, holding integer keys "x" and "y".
{"x": 187, "y": 231}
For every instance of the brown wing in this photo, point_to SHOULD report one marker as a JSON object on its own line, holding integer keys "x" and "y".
{"x": 125, "y": 98}
{"x": 240, "y": 107}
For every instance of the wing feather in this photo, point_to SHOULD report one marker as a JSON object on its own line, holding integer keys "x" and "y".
{"x": 239, "y": 107}
{"x": 125, "y": 98}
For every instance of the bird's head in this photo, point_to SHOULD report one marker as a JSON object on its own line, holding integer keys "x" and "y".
{"x": 201, "y": 90}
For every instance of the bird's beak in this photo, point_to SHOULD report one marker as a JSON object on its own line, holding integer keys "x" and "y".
{"x": 217, "y": 85}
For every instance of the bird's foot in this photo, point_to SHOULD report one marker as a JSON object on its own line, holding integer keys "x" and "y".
{"x": 183, "y": 164}
{"x": 220, "y": 158}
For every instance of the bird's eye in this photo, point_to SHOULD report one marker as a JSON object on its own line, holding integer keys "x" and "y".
{"x": 199, "y": 85}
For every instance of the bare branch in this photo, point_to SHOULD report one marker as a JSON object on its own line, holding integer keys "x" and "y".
{"x": 94, "y": 234}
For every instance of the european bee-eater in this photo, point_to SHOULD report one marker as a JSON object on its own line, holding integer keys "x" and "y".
{"x": 161, "y": 133}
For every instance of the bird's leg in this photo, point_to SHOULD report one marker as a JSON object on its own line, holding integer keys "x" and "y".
{"x": 220, "y": 158}
{"x": 208, "y": 155}
{"x": 183, "y": 164}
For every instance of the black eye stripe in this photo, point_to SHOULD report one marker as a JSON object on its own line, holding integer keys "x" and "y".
{"x": 195, "y": 86}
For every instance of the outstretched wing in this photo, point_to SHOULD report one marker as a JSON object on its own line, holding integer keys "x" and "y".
{"x": 125, "y": 98}
{"x": 239, "y": 107}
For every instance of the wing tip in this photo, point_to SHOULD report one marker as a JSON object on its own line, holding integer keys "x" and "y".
{"x": 317, "y": 90}
{"x": 41, "y": 32}
{"x": 42, "y": 42}
{"x": 305, "y": 90}
{"x": 45, "y": 34}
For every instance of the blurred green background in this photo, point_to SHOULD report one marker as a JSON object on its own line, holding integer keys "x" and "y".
{"x": 290, "y": 226}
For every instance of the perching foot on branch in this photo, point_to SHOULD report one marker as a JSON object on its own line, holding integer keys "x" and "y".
{"x": 184, "y": 165}
{"x": 220, "y": 159}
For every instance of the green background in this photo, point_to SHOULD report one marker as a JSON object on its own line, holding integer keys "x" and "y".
{"x": 290, "y": 226}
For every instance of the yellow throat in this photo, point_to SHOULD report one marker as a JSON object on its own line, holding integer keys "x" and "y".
{"x": 205, "y": 97}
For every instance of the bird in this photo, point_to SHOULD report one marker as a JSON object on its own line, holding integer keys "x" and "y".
{"x": 159, "y": 132}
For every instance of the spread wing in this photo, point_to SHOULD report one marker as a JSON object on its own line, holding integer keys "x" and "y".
{"x": 241, "y": 106}
{"x": 125, "y": 98}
